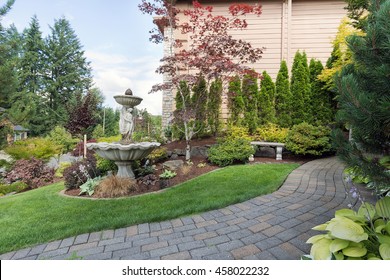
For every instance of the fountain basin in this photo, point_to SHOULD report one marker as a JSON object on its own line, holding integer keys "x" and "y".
{"x": 123, "y": 155}
{"x": 128, "y": 100}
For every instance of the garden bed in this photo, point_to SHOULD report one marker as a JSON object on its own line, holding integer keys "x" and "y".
{"x": 199, "y": 166}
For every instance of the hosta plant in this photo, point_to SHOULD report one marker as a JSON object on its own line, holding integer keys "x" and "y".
{"x": 362, "y": 234}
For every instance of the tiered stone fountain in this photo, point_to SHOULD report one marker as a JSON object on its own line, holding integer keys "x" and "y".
{"x": 126, "y": 151}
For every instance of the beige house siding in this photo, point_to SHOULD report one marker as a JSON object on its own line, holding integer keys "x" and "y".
{"x": 284, "y": 27}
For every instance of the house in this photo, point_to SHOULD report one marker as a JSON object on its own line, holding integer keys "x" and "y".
{"x": 284, "y": 27}
{"x": 18, "y": 131}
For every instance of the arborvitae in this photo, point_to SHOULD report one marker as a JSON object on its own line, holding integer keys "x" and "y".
{"x": 266, "y": 103}
{"x": 320, "y": 101}
{"x": 283, "y": 98}
{"x": 250, "y": 93}
{"x": 300, "y": 89}
{"x": 236, "y": 102}
{"x": 199, "y": 105}
{"x": 213, "y": 106}
{"x": 364, "y": 99}
{"x": 183, "y": 92}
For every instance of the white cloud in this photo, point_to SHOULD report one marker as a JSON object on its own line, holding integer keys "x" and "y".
{"x": 114, "y": 73}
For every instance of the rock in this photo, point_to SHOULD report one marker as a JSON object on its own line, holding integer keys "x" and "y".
{"x": 169, "y": 153}
{"x": 173, "y": 164}
{"x": 197, "y": 151}
{"x": 174, "y": 156}
{"x": 179, "y": 152}
{"x": 265, "y": 152}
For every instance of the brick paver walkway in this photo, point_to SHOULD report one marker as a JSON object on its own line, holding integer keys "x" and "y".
{"x": 274, "y": 226}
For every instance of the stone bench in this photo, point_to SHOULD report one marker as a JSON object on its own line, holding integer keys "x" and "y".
{"x": 277, "y": 146}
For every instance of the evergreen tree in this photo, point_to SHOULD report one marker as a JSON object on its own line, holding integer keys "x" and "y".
{"x": 320, "y": 101}
{"x": 235, "y": 101}
{"x": 68, "y": 73}
{"x": 27, "y": 101}
{"x": 199, "y": 105}
{"x": 266, "y": 103}
{"x": 213, "y": 106}
{"x": 283, "y": 98}
{"x": 300, "y": 89}
{"x": 8, "y": 78}
{"x": 364, "y": 99}
{"x": 250, "y": 93}
{"x": 111, "y": 120}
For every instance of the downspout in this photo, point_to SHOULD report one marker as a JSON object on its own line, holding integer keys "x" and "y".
{"x": 289, "y": 31}
{"x": 282, "y": 49}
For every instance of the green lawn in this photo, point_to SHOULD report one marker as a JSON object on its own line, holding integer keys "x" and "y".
{"x": 43, "y": 215}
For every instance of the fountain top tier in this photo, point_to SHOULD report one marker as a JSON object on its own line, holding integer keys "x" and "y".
{"x": 128, "y": 99}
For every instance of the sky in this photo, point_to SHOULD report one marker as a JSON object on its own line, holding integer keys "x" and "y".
{"x": 115, "y": 38}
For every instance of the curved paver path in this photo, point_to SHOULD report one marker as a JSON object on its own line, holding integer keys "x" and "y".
{"x": 274, "y": 226}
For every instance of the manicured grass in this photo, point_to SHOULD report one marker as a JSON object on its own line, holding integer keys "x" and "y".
{"x": 43, "y": 215}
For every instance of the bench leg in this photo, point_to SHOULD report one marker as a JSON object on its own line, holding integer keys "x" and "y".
{"x": 279, "y": 153}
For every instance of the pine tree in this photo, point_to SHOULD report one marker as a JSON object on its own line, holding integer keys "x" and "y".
{"x": 300, "y": 89}
{"x": 213, "y": 106}
{"x": 283, "y": 98}
{"x": 235, "y": 101}
{"x": 250, "y": 94}
{"x": 68, "y": 72}
{"x": 266, "y": 103}
{"x": 364, "y": 99}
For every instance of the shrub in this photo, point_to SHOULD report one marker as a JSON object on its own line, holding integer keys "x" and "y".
{"x": 62, "y": 138}
{"x": 271, "y": 133}
{"x": 14, "y": 187}
{"x": 306, "y": 139}
{"x": 351, "y": 235}
{"x": 109, "y": 139}
{"x": 234, "y": 132}
{"x": 229, "y": 152}
{"x": 158, "y": 154}
{"x": 60, "y": 170}
{"x": 78, "y": 151}
{"x": 39, "y": 148}
{"x": 105, "y": 165}
{"x": 32, "y": 172}
{"x": 80, "y": 171}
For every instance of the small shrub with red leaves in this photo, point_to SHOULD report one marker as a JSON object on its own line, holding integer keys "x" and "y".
{"x": 80, "y": 171}
{"x": 32, "y": 172}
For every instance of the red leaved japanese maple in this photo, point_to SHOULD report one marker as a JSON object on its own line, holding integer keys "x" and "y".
{"x": 211, "y": 53}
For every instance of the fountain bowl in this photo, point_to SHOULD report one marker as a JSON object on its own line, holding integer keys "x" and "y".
{"x": 128, "y": 100}
{"x": 123, "y": 155}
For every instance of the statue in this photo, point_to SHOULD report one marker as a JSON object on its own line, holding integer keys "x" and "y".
{"x": 126, "y": 124}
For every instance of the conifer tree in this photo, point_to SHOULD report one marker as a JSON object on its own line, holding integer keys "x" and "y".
{"x": 213, "y": 106}
{"x": 250, "y": 93}
{"x": 27, "y": 102}
{"x": 235, "y": 101}
{"x": 266, "y": 103}
{"x": 320, "y": 101}
{"x": 283, "y": 98}
{"x": 199, "y": 105}
{"x": 68, "y": 73}
{"x": 8, "y": 78}
{"x": 364, "y": 99}
{"x": 300, "y": 89}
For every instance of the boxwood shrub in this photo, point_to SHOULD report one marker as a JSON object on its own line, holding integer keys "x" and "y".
{"x": 230, "y": 152}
